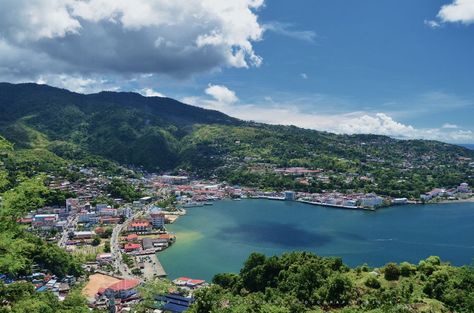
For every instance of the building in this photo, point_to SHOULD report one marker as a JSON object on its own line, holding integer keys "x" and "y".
{"x": 371, "y": 201}
{"x": 464, "y": 188}
{"x": 132, "y": 247}
{"x": 157, "y": 218}
{"x": 139, "y": 226}
{"x": 84, "y": 234}
{"x": 152, "y": 243}
{"x": 104, "y": 258}
{"x": 400, "y": 201}
{"x": 45, "y": 221}
{"x": 72, "y": 204}
{"x": 123, "y": 289}
{"x": 290, "y": 196}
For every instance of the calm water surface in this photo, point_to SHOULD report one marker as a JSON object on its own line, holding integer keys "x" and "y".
{"x": 219, "y": 238}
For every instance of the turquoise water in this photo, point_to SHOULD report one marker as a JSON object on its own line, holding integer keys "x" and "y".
{"x": 219, "y": 238}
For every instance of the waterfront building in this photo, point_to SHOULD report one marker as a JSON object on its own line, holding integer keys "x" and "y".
{"x": 290, "y": 196}
{"x": 371, "y": 201}
{"x": 157, "y": 218}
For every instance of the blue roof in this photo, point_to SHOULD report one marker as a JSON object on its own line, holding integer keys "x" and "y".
{"x": 41, "y": 289}
{"x": 175, "y": 307}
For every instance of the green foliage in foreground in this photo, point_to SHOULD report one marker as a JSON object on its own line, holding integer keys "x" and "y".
{"x": 304, "y": 282}
{"x": 21, "y": 297}
{"x": 19, "y": 249}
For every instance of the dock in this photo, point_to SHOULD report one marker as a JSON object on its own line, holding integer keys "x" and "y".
{"x": 339, "y": 206}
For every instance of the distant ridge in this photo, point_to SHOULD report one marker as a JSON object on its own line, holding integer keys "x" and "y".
{"x": 469, "y": 146}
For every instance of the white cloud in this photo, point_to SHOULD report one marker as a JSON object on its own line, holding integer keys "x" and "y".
{"x": 221, "y": 94}
{"x": 148, "y": 92}
{"x": 76, "y": 83}
{"x": 286, "y": 30}
{"x": 432, "y": 24}
{"x": 342, "y": 123}
{"x": 449, "y": 125}
{"x": 178, "y": 38}
{"x": 460, "y": 11}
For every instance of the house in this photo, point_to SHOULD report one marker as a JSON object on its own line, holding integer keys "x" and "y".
{"x": 104, "y": 258}
{"x": 174, "y": 303}
{"x": 139, "y": 226}
{"x": 132, "y": 247}
{"x": 84, "y": 234}
{"x": 188, "y": 282}
{"x": 464, "y": 188}
{"x": 132, "y": 237}
{"x": 123, "y": 289}
{"x": 44, "y": 221}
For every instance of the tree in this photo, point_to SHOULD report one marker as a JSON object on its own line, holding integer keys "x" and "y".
{"x": 391, "y": 271}
{"x": 372, "y": 282}
{"x": 107, "y": 247}
{"x": 96, "y": 241}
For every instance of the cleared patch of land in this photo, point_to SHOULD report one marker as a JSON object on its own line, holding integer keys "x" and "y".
{"x": 97, "y": 281}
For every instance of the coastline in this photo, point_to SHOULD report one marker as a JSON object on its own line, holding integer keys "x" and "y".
{"x": 469, "y": 200}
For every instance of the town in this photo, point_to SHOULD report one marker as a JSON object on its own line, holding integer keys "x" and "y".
{"x": 119, "y": 242}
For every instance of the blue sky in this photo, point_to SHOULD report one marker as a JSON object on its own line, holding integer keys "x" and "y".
{"x": 401, "y": 68}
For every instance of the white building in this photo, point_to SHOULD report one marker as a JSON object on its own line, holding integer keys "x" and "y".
{"x": 157, "y": 217}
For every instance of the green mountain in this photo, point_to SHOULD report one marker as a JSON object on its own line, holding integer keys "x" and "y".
{"x": 165, "y": 134}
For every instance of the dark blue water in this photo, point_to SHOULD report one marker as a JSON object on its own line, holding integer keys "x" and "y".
{"x": 219, "y": 238}
{"x": 469, "y": 146}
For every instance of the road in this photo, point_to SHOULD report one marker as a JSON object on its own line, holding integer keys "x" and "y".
{"x": 118, "y": 263}
{"x": 70, "y": 225}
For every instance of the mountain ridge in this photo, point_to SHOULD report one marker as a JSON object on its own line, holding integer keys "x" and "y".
{"x": 162, "y": 134}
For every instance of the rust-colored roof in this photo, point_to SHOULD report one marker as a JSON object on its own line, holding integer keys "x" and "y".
{"x": 125, "y": 284}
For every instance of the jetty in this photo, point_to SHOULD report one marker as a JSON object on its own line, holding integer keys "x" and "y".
{"x": 339, "y": 206}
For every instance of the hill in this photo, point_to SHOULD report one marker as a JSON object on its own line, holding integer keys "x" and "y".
{"x": 162, "y": 134}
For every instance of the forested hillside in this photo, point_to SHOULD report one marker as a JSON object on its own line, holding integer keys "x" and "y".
{"x": 161, "y": 134}
{"x": 304, "y": 282}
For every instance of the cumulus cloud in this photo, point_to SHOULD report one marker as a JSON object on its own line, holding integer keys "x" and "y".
{"x": 343, "y": 123}
{"x": 178, "y": 38}
{"x": 222, "y": 94}
{"x": 459, "y": 11}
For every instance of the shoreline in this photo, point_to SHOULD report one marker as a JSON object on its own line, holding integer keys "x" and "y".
{"x": 469, "y": 200}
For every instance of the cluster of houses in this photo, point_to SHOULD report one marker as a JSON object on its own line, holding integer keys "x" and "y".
{"x": 463, "y": 191}
{"x": 44, "y": 281}
{"x": 120, "y": 295}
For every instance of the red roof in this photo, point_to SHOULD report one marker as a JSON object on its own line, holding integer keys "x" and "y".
{"x": 132, "y": 246}
{"x": 132, "y": 237}
{"x": 125, "y": 284}
{"x": 140, "y": 224}
{"x": 101, "y": 291}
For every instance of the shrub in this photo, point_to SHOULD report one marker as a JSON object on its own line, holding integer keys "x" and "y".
{"x": 391, "y": 271}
